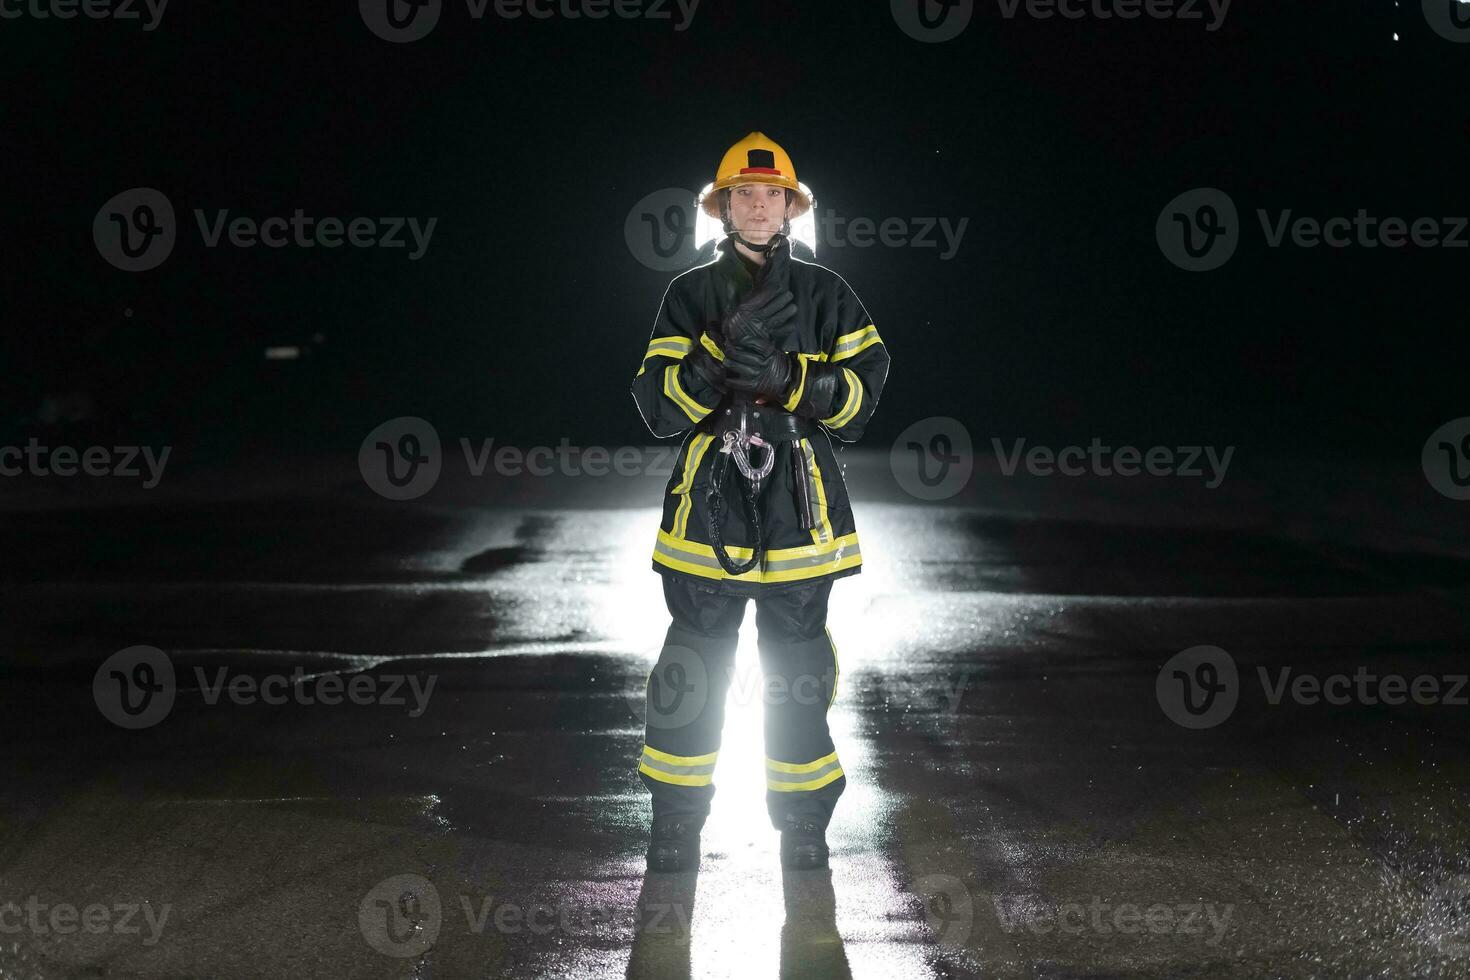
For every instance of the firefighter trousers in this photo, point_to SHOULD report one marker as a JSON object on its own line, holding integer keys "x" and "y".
{"x": 685, "y": 708}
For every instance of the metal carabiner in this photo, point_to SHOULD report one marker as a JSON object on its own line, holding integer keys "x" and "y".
{"x": 738, "y": 445}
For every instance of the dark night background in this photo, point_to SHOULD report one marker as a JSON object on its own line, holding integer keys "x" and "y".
{"x": 1021, "y": 656}
{"x": 530, "y": 140}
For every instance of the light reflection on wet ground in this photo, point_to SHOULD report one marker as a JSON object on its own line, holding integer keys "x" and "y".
{"x": 1010, "y": 769}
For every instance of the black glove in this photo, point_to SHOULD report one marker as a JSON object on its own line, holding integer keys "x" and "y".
{"x": 754, "y": 366}
{"x": 768, "y": 308}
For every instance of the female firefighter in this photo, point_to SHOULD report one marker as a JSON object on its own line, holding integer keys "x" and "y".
{"x": 756, "y": 357}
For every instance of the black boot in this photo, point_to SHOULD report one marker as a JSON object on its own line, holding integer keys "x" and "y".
{"x": 803, "y": 845}
{"x": 675, "y": 844}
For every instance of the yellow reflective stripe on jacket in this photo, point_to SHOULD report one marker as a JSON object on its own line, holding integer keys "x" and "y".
{"x": 674, "y": 346}
{"x": 682, "y": 398}
{"x": 680, "y": 770}
{"x": 708, "y": 344}
{"x": 778, "y": 565}
{"x": 692, "y": 458}
{"x": 853, "y": 403}
{"x": 789, "y": 777}
{"x": 851, "y": 344}
{"x": 804, "y": 360}
{"x": 822, "y": 533}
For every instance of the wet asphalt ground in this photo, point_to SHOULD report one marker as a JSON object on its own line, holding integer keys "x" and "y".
{"x": 1039, "y": 785}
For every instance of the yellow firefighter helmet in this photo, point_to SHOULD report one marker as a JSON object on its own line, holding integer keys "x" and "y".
{"x": 757, "y": 159}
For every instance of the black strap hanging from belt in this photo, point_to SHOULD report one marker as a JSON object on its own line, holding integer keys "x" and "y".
{"x": 716, "y": 500}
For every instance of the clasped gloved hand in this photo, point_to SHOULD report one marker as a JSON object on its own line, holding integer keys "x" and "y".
{"x": 754, "y": 366}
{"x": 765, "y": 311}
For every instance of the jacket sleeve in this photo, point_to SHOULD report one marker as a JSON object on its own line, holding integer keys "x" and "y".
{"x": 671, "y": 397}
{"x": 840, "y": 386}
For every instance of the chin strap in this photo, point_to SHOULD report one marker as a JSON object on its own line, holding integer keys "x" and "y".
{"x": 750, "y": 244}
{"x": 769, "y": 246}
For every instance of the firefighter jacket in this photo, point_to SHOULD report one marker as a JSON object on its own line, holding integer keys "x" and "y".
{"x": 842, "y": 364}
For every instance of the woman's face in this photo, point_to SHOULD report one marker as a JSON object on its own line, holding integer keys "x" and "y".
{"x": 757, "y": 211}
